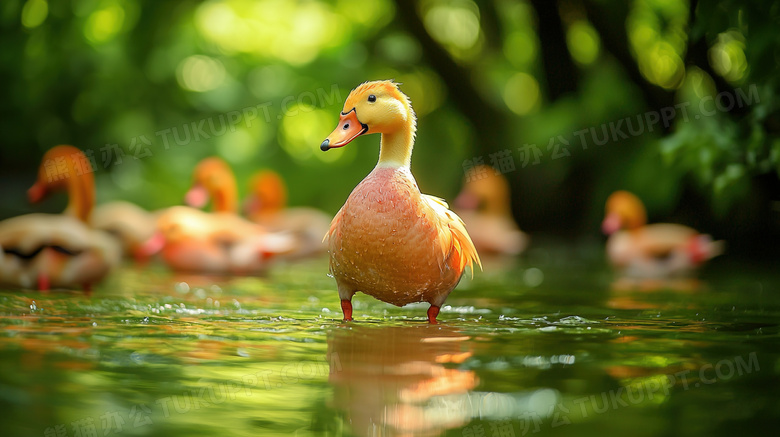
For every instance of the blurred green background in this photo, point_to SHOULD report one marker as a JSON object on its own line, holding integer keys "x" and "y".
{"x": 148, "y": 88}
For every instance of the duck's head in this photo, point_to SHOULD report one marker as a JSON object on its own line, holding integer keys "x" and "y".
{"x": 213, "y": 179}
{"x": 57, "y": 167}
{"x": 66, "y": 168}
{"x": 373, "y": 107}
{"x": 623, "y": 211}
{"x": 484, "y": 191}
{"x": 267, "y": 193}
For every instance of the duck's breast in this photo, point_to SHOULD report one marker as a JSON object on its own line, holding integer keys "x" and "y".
{"x": 386, "y": 240}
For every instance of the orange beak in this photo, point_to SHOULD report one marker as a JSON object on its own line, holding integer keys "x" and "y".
{"x": 611, "y": 224}
{"x": 37, "y": 192}
{"x": 348, "y": 129}
{"x": 197, "y": 196}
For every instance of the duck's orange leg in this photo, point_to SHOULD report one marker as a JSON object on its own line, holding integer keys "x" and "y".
{"x": 87, "y": 289}
{"x": 433, "y": 311}
{"x": 43, "y": 282}
{"x": 346, "y": 308}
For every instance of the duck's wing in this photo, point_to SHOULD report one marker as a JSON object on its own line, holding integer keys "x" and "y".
{"x": 29, "y": 232}
{"x": 26, "y": 235}
{"x": 453, "y": 238}
{"x": 334, "y": 224}
{"x": 659, "y": 239}
{"x": 663, "y": 238}
{"x": 132, "y": 224}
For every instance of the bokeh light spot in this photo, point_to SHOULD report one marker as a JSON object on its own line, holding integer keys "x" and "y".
{"x": 658, "y": 36}
{"x": 400, "y": 47}
{"x": 533, "y": 277}
{"x": 34, "y": 13}
{"x": 455, "y": 25}
{"x": 662, "y": 65}
{"x": 521, "y": 93}
{"x": 302, "y": 130}
{"x": 425, "y": 90}
{"x": 583, "y": 42}
{"x": 200, "y": 73}
{"x": 294, "y": 32}
{"x": 371, "y": 13}
{"x": 103, "y": 24}
{"x": 520, "y": 48}
{"x": 238, "y": 147}
{"x": 700, "y": 82}
{"x": 727, "y": 56}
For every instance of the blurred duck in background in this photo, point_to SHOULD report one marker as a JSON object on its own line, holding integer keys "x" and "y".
{"x": 266, "y": 205}
{"x": 131, "y": 225}
{"x": 47, "y": 251}
{"x": 219, "y": 242}
{"x": 484, "y": 204}
{"x": 661, "y": 250}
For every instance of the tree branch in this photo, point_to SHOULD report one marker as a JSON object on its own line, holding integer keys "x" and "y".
{"x": 485, "y": 118}
{"x": 696, "y": 54}
{"x": 612, "y": 31}
{"x": 560, "y": 72}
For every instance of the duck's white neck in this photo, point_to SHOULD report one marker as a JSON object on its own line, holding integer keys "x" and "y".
{"x": 395, "y": 149}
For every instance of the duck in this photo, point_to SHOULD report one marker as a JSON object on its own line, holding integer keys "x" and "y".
{"x": 266, "y": 205}
{"x": 660, "y": 250}
{"x": 133, "y": 226}
{"x": 389, "y": 240}
{"x": 484, "y": 205}
{"x": 53, "y": 251}
{"x": 217, "y": 242}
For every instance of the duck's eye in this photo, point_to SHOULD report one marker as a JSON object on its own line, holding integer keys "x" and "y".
{"x": 372, "y": 98}
{"x": 346, "y": 126}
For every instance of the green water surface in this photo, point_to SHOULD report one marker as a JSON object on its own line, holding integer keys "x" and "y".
{"x": 546, "y": 344}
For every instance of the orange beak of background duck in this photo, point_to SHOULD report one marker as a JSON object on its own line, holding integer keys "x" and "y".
{"x": 37, "y": 192}
{"x": 348, "y": 129}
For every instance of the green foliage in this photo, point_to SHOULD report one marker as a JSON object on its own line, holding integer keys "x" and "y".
{"x": 723, "y": 153}
{"x": 150, "y": 77}
{"x": 731, "y": 135}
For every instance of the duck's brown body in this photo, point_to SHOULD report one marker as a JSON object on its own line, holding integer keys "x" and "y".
{"x": 388, "y": 242}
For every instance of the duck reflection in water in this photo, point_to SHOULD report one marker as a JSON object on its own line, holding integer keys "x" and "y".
{"x": 392, "y": 379}
{"x": 411, "y": 380}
